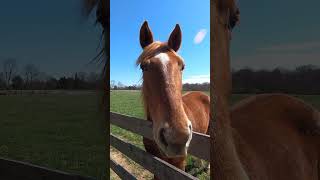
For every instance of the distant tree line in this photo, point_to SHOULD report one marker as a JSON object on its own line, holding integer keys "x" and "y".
{"x": 30, "y": 78}
{"x": 302, "y": 80}
{"x": 186, "y": 87}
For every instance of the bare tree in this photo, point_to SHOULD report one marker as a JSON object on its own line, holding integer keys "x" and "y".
{"x": 2, "y": 82}
{"x": 17, "y": 82}
{"x": 82, "y": 76}
{"x": 31, "y": 72}
{"x": 112, "y": 84}
{"x": 9, "y": 70}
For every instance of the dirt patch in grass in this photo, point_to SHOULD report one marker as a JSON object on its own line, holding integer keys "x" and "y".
{"x": 138, "y": 171}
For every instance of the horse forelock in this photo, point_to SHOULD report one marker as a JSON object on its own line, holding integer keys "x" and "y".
{"x": 153, "y": 50}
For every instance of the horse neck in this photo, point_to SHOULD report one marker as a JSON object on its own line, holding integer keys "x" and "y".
{"x": 224, "y": 158}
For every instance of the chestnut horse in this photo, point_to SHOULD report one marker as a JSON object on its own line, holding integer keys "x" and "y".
{"x": 268, "y": 136}
{"x": 174, "y": 116}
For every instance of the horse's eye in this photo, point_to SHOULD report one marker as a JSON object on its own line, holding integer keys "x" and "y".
{"x": 143, "y": 67}
{"x": 182, "y": 67}
{"x": 234, "y": 19}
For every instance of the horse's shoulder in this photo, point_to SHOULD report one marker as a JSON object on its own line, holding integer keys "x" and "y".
{"x": 276, "y": 99}
{"x": 291, "y": 109}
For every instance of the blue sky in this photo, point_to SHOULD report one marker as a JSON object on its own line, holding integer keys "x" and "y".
{"x": 126, "y": 18}
{"x": 55, "y": 37}
{"x": 276, "y": 33}
{"x": 50, "y": 34}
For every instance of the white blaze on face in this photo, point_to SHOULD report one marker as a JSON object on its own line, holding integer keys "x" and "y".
{"x": 164, "y": 59}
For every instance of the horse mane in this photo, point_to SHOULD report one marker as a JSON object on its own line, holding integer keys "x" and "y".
{"x": 152, "y": 50}
{"x": 102, "y": 13}
{"x": 225, "y": 4}
{"x": 101, "y": 10}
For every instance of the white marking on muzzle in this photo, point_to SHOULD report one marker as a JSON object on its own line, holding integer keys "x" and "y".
{"x": 190, "y": 133}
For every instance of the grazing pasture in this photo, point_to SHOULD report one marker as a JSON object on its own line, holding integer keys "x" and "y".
{"x": 64, "y": 131}
{"x": 61, "y": 131}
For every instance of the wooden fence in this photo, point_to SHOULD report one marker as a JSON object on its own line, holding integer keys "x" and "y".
{"x": 16, "y": 170}
{"x": 199, "y": 147}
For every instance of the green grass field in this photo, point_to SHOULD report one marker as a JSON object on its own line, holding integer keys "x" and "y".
{"x": 129, "y": 103}
{"x": 58, "y": 131}
{"x": 65, "y": 132}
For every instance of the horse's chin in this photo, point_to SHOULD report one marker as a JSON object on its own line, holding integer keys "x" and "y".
{"x": 169, "y": 154}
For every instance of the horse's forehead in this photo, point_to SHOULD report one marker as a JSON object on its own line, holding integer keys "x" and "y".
{"x": 163, "y": 58}
{"x": 166, "y": 57}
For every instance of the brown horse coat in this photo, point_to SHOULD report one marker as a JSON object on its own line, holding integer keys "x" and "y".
{"x": 277, "y": 137}
{"x": 268, "y": 136}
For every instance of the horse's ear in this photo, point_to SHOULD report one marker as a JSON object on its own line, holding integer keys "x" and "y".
{"x": 175, "y": 38}
{"x": 146, "y": 36}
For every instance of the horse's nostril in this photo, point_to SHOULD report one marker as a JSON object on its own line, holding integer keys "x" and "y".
{"x": 162, "y": 137}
